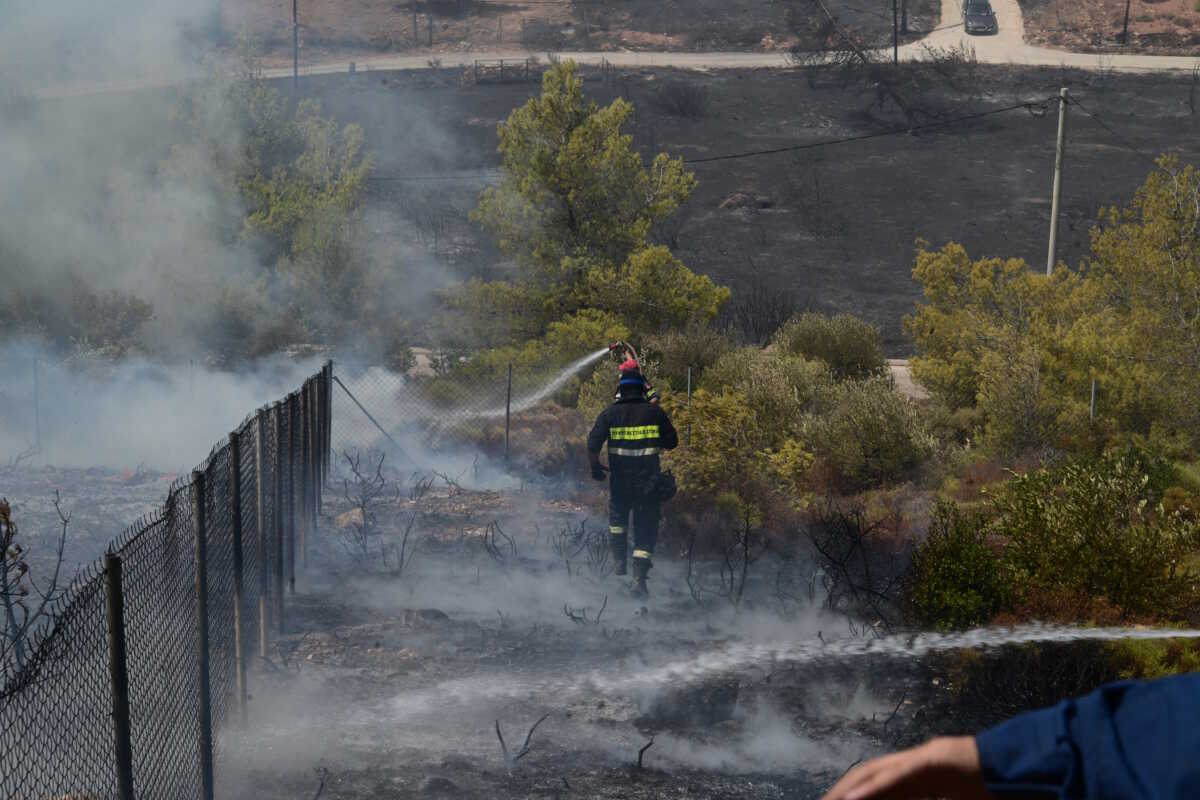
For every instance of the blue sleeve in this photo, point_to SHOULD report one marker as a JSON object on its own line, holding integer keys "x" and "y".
{"x": 1133, "y": 740}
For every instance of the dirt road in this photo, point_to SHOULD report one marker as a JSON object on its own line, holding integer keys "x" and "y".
{"x": 1006, "y": 47}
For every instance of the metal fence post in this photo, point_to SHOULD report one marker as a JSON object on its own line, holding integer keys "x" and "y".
{"x": 689, "y": 407}
{"x": 302, "y": 471}
{"x": 235, "y": 513}
{"x": 260, "y": 432}
{"x": 314, "y": 452}
{"x": 206, "y": 743}
{"x": 294, "y": 526}
{"x": 328, "y": 419}
{"x": 37, "y": 407}
{"x": 114, "y": 601}
{"x": 507, "y": 413}
{"x": 277, "y": 490}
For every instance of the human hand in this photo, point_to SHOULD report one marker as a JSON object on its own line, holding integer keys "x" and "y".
{"x": 944, "y": 767}
{"x": 599, "y": 472}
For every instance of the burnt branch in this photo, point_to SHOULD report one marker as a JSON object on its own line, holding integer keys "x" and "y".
{"x": 580, "y": 615}
{"x": 526, "y": 747}
{"x": 642, "y": 751}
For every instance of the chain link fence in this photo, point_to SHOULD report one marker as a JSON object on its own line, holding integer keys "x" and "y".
{"x": 143, "y": 664}
{"x": 461, "y": 420}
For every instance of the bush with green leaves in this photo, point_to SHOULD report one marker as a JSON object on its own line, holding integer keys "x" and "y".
{"x": 871, "y": 435}
{"x": 696, "y": 347}
{"x": 780, "y": 389}
{"x": 1097, "y": 526}
{"x": 850, "y": 346}
{"x": 956, "y": 579}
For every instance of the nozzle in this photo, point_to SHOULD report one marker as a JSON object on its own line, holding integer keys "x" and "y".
{"x": 614, "y": 346}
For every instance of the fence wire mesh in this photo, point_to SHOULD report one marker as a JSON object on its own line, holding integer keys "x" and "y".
{"x": 57, "y": 735}
{"x": 55, "y": 729}
{"x": 159, "y": 567}
{"x": 459, "y": 417}
{"x": 247, "y": 436}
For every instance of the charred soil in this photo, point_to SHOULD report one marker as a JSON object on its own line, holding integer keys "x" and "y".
{"x": 829, "y": 227}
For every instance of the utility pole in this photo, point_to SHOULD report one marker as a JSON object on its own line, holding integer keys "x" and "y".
{"x": 895, "y": 33}
{"x": 1057, "y": 191}
{"x": 1125, "y": 26}
{"x": 904, "y": 16}
{"x": 295, "y": 44}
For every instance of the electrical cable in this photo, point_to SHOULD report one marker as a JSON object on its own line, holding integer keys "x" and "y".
{"x": 1033, "y": 106}
{"x": 1029, "y": 106}
{"x": 1118, "y": 137}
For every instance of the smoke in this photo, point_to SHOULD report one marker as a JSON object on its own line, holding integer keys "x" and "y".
{"x": 56, "y": 44}
{"x": 117, "y": 138}
{"x": 162, "y": 416}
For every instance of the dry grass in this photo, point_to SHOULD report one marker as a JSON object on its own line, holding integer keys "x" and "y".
{"x": 1158, "y": 26}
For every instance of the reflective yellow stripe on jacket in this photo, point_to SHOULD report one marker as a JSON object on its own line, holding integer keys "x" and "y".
{"x": 633, "y": 433}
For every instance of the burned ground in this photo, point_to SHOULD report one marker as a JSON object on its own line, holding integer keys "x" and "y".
{"x": 833, "y": 228}
{"x": 393, "y": 685}
{"x": 396, "y": 685}
{"x": 101, "y": 502}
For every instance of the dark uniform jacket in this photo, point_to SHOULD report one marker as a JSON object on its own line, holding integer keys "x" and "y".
{"x": 1133, "y": 740}
{"x": 636, "y": 432}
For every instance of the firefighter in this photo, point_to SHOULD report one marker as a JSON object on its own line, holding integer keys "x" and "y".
{"x": 630, "y": 366}
{"x": 636, "y": 431}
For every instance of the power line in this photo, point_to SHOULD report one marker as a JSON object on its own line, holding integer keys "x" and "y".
{"x": 1120, "y": 139}
{"x": 483, "y": 172}
{"x": 1032, "y": 106}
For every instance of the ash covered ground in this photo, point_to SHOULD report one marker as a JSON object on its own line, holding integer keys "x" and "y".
{"x": 392, "y": 685}
{"x": 101, "y": 503}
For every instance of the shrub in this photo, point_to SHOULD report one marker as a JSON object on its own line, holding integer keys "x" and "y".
{"x": 779, "y": 389}
{"x": 1098, "y": 526}
{"x": 683, "y": 99}
{"x": 956, "y": 579}
{"x": 697, "y": 346}
{"x": 871, "y": 435}
{"x": 850, "y": 346}
{"x": 1154, "y": 658}
{"x": 757, "y": 311}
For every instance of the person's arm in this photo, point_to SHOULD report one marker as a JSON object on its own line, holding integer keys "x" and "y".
{"x": 1125, "y": 740}
{"x": 1130, "y": 739}
{"x": 595, "y": 443}
{"x": 668, "y": 437}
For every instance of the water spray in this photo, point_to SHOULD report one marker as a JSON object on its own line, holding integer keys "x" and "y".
{"x": 529, "y": 401}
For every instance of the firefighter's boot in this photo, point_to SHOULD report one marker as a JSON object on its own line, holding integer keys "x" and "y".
{"x": 619, "y": 540}
{"x": 641, "y": 569}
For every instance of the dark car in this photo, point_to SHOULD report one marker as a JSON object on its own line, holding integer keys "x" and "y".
{"x": 978, "y": 17}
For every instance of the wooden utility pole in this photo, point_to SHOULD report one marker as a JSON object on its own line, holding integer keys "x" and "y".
{"x": 1125, "y": 26}
{"x": 295, "y": 44}
{"x": 896, "y": 32}
{"x": 1057, "y": 190}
